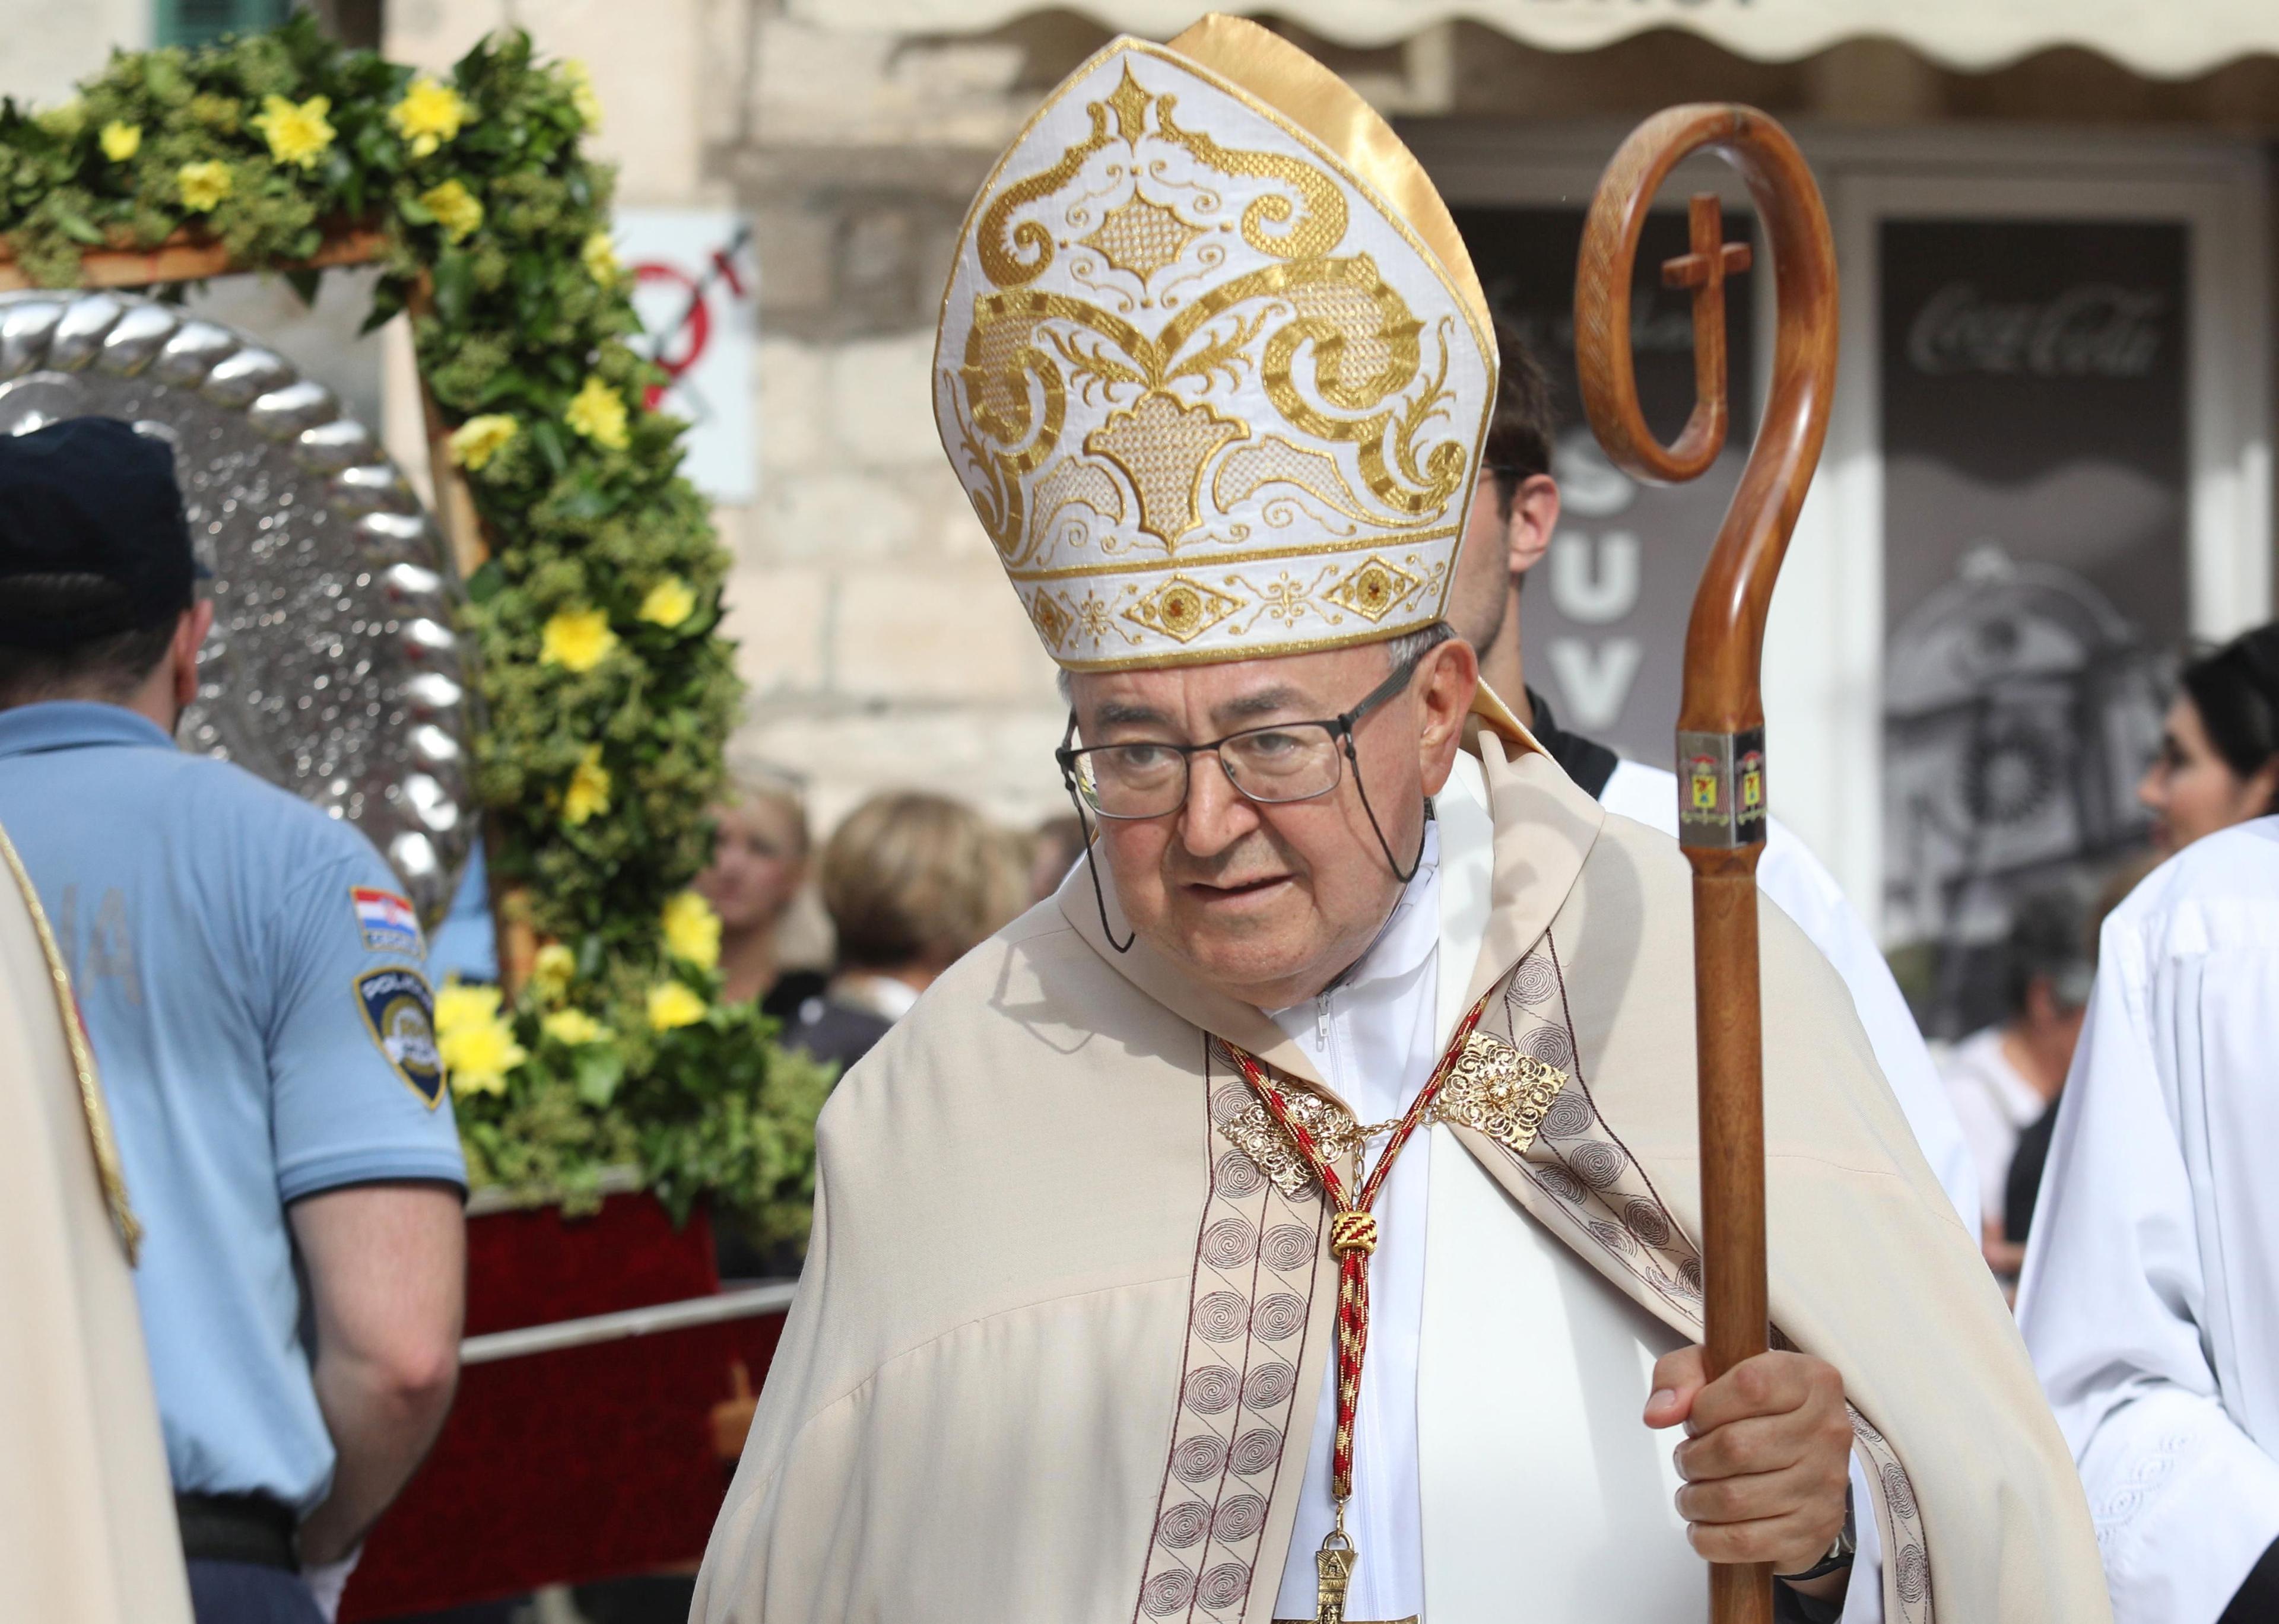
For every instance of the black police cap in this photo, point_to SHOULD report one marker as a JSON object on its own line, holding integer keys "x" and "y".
{"x": 89, "y": 496}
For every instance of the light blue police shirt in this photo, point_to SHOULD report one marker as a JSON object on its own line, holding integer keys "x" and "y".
{"x": 250, "y": 977}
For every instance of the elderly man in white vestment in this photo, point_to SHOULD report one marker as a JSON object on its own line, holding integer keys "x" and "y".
{"x": 1296, "y": 1216}
{"x": 2150, "y": 1300}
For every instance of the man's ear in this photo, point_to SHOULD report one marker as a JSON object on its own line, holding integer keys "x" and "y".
{"x": 1534, "y": 517}
{"x": 1448, "y": 677}
{"x": 182, "y": 653}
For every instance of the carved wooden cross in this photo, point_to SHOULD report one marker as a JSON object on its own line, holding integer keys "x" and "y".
{"x": 1704, "y": 270}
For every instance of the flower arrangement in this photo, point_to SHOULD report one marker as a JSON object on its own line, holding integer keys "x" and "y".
{"x": 609, "y": 691}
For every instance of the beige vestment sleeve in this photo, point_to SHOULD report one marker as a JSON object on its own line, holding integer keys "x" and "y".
{"x": 87, "y": 1534}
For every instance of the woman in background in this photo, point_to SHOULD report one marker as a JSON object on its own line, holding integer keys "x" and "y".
{"x": 912, "y": 882}
{"x": 2219, "y": 761}
{"x": 759, "y": 862}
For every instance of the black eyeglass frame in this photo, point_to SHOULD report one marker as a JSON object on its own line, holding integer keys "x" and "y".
{"x": 1340, "y": 727}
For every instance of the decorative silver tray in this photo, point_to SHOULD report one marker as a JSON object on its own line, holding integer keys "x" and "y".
{"x": 333, "y": 669}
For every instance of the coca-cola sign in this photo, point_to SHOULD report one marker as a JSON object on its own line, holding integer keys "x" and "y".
{"x": 2035, "y": 422}
{"x": 2092, "y": 330}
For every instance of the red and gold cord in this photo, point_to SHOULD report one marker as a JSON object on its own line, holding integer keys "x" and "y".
{"x": 1353, "y": 1227}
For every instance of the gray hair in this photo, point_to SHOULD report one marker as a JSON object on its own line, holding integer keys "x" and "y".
{"x": 1405, "y": 650}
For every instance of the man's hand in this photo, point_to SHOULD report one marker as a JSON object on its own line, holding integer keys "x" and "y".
{"x": 1765, "y": 1460}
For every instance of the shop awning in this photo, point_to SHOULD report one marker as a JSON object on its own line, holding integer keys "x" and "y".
{"x": 2162, "y": 39}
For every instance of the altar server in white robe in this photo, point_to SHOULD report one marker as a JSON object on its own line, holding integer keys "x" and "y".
{"x": 2151, "y": 1295}
{"x": 1079, "y": 1335}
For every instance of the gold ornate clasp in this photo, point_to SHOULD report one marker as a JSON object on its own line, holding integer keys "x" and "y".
{"x": 1496, "y": 1091}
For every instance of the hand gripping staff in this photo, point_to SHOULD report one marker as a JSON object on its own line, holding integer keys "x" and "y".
{"x": 1721, "y": 719}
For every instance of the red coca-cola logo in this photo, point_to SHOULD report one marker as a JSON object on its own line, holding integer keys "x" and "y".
{"x": 2095, "y": 330}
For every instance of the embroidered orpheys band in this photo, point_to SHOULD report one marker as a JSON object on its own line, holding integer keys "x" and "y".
{"x": 1353, "y": 1237}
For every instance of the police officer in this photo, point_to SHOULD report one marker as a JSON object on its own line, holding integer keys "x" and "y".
{"x": 251, "y": 978}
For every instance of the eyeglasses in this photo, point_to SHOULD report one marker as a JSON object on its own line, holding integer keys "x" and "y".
{"x": 1285, "y": 761}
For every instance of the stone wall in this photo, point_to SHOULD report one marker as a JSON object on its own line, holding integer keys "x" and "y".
{"x": 882, "y": 645}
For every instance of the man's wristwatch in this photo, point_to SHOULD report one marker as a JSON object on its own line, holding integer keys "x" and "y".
{"x": 1839, "y": 1554}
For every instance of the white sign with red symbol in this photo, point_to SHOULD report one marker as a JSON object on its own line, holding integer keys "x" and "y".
{"x": 697, "y": 287}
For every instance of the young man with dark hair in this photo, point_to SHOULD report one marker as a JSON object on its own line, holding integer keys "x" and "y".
{"x": 251, "y": 980}
{"x": 1510, "y": 529}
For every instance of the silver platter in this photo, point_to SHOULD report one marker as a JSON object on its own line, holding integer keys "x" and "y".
{"x": 333, "y": 669}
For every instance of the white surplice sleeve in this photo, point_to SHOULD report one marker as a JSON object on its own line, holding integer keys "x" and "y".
{"x": 2147, "y": 1300}
{"x": 1808, "y": 893}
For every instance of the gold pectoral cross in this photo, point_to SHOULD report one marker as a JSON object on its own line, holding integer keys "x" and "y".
{"x": 1333, "y": 1566}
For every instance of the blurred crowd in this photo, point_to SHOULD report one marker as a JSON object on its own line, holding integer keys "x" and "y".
{"x": 2218, "y": 766}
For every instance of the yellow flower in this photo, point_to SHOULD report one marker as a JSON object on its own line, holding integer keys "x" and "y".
{"x": 579, "y": 639}
{"x": 589, "y": 788}
{"x": 477, "y": 1045}
{"x": 456, "y": 210}
{"x": 572, "y": 1027}
{"x": 296, "y": 133}
{"x": 203, "y": 185}
{"x": 553, "y": 971}
{"x": 121, "y": 140}
{"x": 459, "y": 1006}
{"x": 600, "y": 257}
{"x": 669, "y": 602}
{"x": 692, "y": 931}
{"x": 430, "y": 114}
{"x": 670, "y": 1004}
{"x": 588, "y": 105}
{"x": 478, "y": 440}
{"x": 598, "y": 412}
{"x": 479, "y": 1059}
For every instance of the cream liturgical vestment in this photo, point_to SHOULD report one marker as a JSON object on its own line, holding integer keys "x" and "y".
{"x": 1058, "y": 1352}
{"x": 2151, "y": 1294}
{"x": 87, "y": 1534}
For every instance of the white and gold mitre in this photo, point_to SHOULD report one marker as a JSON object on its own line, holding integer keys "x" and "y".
{"x": 1213, "y": 364}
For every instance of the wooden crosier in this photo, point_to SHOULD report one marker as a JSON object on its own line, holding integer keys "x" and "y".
{"x": 189, "y": 256}
{"x": 1721, "y": 716}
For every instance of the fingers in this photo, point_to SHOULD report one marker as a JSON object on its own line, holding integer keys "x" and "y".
{"x": 1766, "y": 1462}
{"x": 1678, "y": 1378}
{"x": 1787, "y": 1518}
{"x": 1791, "y": 1543}
{"x": 1769, "y": 1385}
{"x": 1764, "y": 1444}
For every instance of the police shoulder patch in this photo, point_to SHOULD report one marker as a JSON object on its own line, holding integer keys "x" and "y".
{"x": 399, "y": 1010}
{"x": 386, "y": 921}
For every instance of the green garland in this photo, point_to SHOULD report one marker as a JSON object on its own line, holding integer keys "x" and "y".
{"x": 610, "y": 692}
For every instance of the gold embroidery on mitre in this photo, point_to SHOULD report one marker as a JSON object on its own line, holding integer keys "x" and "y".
{"x": 1142, "y": 238}
{"x": 1179, "y": 326}
{"x": 1162, "y": 446}
{"x": 1050, "y": 619}
{"x": 1182, "y": 609}
{"x": 1259, "y": 1136}
{"x": 1249, "y": 469}
{"x": 1496, "y": 1091}
{"x": 1374, "y": 590}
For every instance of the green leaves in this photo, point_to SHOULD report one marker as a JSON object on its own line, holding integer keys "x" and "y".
{"x": 515, "y": 325}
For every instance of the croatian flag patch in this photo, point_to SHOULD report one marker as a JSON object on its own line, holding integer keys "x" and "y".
{"x": 386, "y": 921}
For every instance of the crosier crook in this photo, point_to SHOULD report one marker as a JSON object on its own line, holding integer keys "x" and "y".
{"x": 1721, "y": 716}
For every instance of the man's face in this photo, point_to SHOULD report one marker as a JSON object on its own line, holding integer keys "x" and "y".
{"x": 1270, "y": 902}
